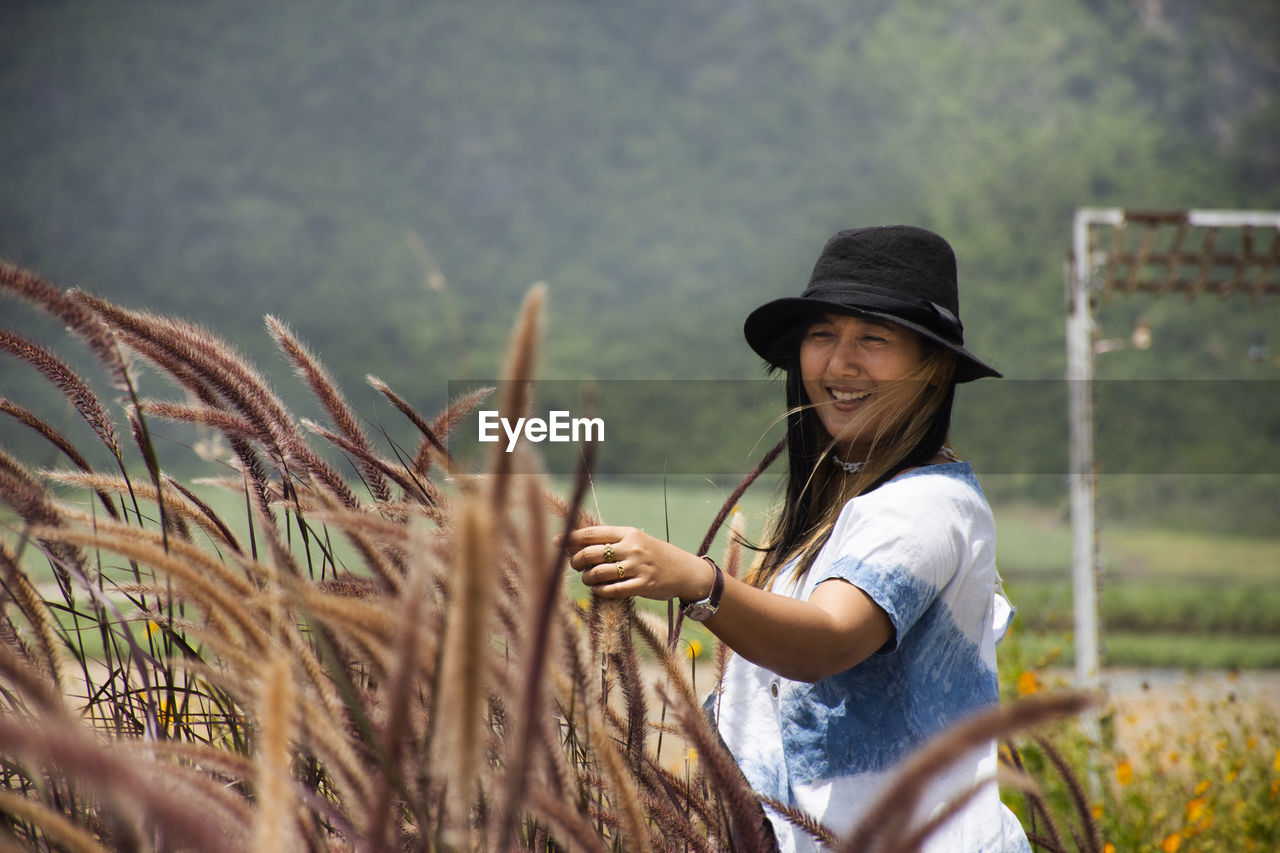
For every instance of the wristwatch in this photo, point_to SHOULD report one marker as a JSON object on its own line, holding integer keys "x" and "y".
{"x": 701, "y": 611}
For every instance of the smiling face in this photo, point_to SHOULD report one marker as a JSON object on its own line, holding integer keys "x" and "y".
{"x": 845, "y": 362}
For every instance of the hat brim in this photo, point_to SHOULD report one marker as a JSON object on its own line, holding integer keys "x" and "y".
{"x": 765, "y": 327}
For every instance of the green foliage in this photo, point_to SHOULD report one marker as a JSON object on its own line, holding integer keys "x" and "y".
{"x": 1179, "y": 765}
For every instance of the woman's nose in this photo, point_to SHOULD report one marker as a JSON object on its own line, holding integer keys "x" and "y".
{"x": 844, "y": 356}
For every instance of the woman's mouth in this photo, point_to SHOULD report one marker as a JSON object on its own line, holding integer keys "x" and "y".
{"x": 846, "y": 398}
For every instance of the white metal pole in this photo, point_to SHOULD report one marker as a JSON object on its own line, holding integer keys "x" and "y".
{"x": 1081, "y": 476}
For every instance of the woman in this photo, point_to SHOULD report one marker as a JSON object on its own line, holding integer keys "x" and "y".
{"x": 869, "y": 622}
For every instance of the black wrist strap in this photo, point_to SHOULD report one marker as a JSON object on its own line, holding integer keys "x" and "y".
{"x": 717, "y": 586}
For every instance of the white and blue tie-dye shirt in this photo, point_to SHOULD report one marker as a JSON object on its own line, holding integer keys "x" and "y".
{"x": 923, "y": 547}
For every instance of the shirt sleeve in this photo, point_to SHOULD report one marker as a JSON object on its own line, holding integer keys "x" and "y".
{"x": 901, "y": 545}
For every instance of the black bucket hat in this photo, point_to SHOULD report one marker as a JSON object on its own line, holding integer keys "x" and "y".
{"x": 899, "y": 273}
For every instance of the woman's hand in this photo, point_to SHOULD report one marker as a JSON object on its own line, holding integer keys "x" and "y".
{"x": 620, "y": 562}
{"x": 837, "y": 627}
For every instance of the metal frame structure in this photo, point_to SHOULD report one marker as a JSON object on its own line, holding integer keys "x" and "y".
{"x": 1174, "y": 252}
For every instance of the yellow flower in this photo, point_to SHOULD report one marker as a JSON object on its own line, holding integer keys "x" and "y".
{"x": 152, "y": 627}
{"x": 1124, "y": 772}
{"x": 1108, "y": 848}
{"x": 694, "y": 650}
{"x": 1275, "y": 788}
{"x": 1196, "y": 809}
{"x": 1171, "y": 843}
{"x": 1275, "y": 765}
{"x": 1201, "y": 788}
{"x": 1097, "y": 811}
{"x": 1028, "y": 683}
{"x": 1232, "y": 774}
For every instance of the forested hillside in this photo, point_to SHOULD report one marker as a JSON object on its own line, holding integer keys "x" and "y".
{"x": 391, "y": 176}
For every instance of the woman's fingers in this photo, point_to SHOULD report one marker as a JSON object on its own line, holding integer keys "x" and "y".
{"x": 617, "y": 562}
{"x": 618, "y": 578}
{"x": 594, "y": 555}
{"x": 591, "y": 546}
{"x": 599, "y": 534}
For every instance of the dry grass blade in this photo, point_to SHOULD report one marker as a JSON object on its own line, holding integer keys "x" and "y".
{"x": 184, "y": 818}
{"x": 1078, "y": 797}
{"x": 376, "y": 470}
{"x": 912, "y": 842}
{"x": 187, "y": 508}
{"x": 206, "y": 513}
{"x": 627, "y": 663}
{"x": 53, "y": 825}
{"x": 69, "y": 383}
{"x": 539, "y": 638}
{"x": 273, "y": 827}
{"x": 625, "y": 797}
{"x": 48, "y": 689}
{"x": 57, "y": 440}
{"x": 326, "y": 391}
{"x": 725, "y": 509}
{"x": 572, "y": 828}
{"x": 20, "y": 490}
{"x": 52, "y": 299}
{"x": 454, "y": 413}
{"x": 209, "y": 367}
{"x": 1037, "y": 808}
{"x": 397, "y": 731}
{"x": 182, "y": 562}
{"x": 739, "y": 490}
{"x": 223, "y": 421}
{"x": 677, "y": 677}
{"x": 430, "y": 441}
{"x": 517, "y": 375}
{"x": 467, "y": 636}
{"x": 21, "y": 672}
{"x": 746, "y": 828}
{"x": 891, "y": 814}
{"x": 818, "y": 831}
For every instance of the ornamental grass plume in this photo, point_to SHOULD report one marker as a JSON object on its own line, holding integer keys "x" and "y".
{"x": 282, "y": 659}
{"x": 272, "y": 827}
{"x": 326, "y": 391}
{"x": 464, "y": 659}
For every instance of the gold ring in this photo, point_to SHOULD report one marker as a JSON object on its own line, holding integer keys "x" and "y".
{"x": 608, "y": 552}
{"x": 622, "y": 573}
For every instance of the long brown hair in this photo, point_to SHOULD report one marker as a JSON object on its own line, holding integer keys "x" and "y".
{"x": 914, "y": 427}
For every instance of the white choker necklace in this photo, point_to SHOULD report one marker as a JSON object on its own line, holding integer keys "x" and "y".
{"x": 854, "y": 467}
{"x": 849, "y": 467}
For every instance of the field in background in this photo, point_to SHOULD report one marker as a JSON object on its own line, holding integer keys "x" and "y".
{"x": 1168, "y": 598}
